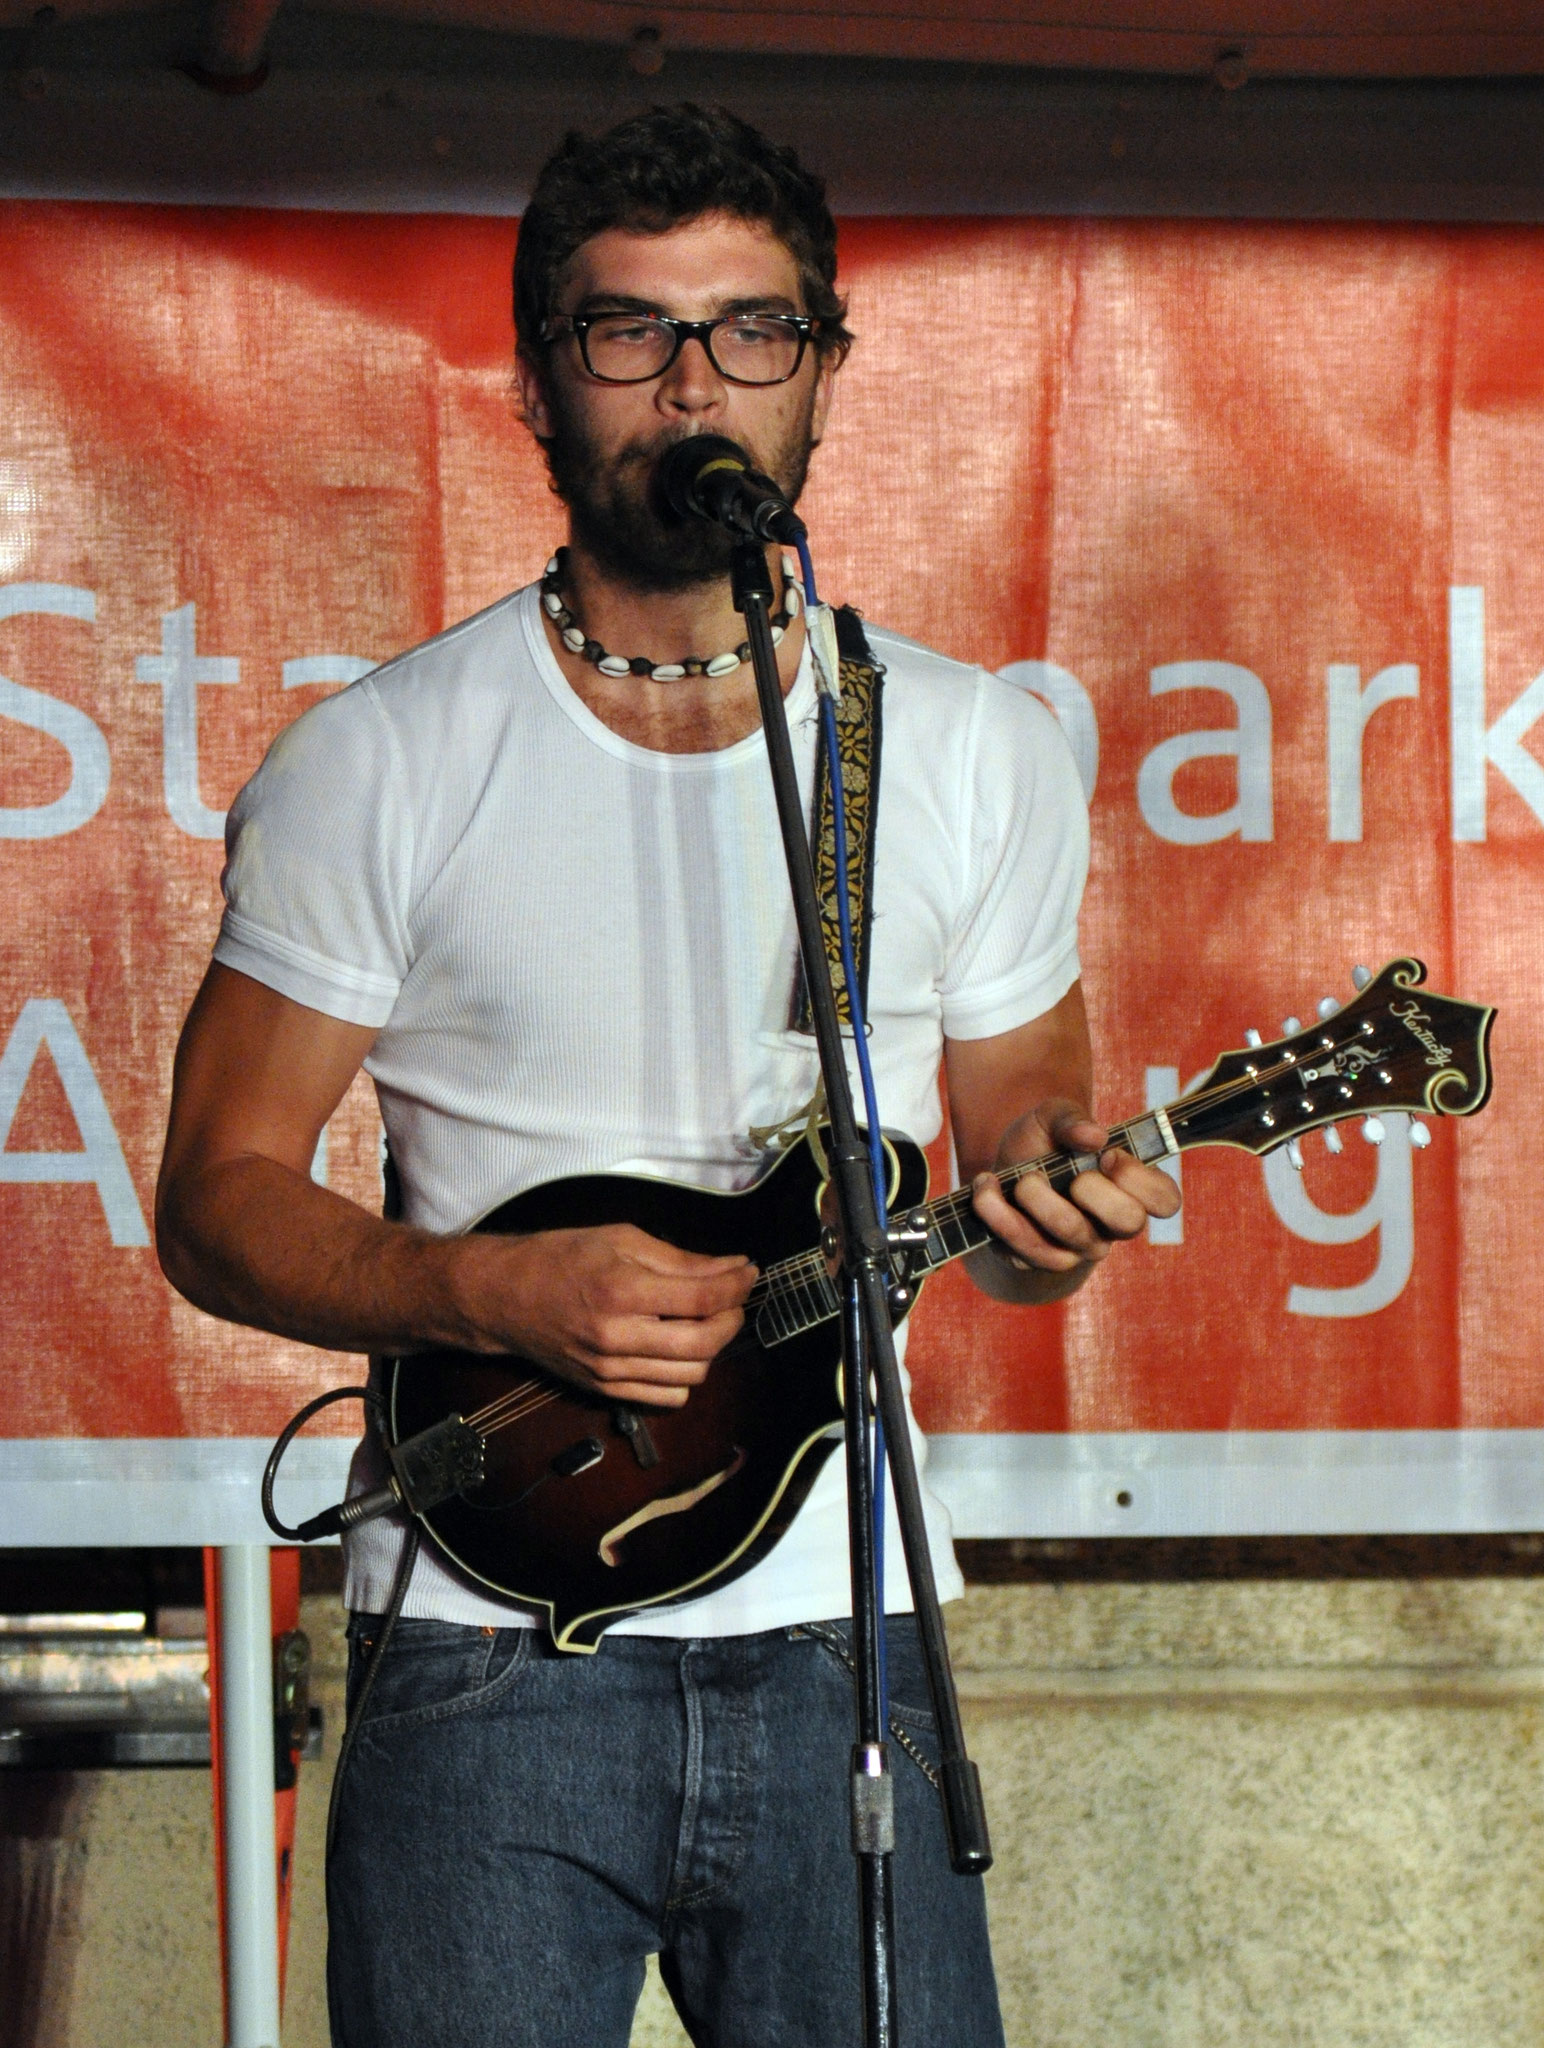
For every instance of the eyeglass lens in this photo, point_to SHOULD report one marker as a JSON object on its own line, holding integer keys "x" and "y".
{"x": 626, "y": 348}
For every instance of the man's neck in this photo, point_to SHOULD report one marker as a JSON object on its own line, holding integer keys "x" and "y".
{"x": 687, "y": 715}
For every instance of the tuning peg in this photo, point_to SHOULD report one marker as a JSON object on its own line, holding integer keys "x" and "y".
{"x": 1373, "y": 1130}
{"x": 1420, "y": 1135}
{"x": 1360, "y": 976}
{"x": 1328, "y": 1005}
{"x": 1252, "y": 1037}
{"x": 1333, "y": 1142}
{"x": 1289, "y": 1025}
{"x": 1294, "y": 1154}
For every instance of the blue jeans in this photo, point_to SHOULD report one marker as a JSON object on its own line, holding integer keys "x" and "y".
{"x": 521, "y": 1828}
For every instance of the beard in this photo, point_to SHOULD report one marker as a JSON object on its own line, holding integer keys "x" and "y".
{"x": 619, "y": 517}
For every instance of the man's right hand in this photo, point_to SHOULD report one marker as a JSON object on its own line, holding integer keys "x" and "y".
{"x": 619, "y": 1313}
{"x": 245, "y": 1232}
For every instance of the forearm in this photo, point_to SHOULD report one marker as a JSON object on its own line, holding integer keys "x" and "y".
{"x": 253, "y": 1241}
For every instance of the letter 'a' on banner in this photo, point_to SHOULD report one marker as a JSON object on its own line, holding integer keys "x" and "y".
{"x": 1256, "y": 523}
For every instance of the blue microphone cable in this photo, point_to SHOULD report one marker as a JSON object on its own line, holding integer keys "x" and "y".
{"x": 876, "y": 1148}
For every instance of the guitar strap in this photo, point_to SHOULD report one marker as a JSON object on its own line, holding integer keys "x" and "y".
{"x": 858, "y": 733}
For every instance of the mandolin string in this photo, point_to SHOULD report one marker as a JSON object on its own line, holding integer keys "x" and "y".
{"x": 782, "y": 1280}
{"x": 522, "y": 1400}
{"x": 954, "y": 1206}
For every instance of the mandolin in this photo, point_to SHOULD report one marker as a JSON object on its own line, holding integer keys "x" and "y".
{"x": 590, "y": 1510}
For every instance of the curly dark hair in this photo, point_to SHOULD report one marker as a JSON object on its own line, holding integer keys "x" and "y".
{"x": 657, "y": 170}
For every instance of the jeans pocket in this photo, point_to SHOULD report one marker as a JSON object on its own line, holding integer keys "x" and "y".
{"x": 911, "y": 1714}
{"x": 432, "y": 1670}
{"x": 910, "y": 1700}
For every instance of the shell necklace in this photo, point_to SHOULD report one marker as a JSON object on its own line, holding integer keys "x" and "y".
{"x": 577, "y": 641}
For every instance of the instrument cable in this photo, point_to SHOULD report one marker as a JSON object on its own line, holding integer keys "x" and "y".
{"x": 375, "y": 1655}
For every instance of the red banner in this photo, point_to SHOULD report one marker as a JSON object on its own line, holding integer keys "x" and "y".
{"x": 1256, "y": 507}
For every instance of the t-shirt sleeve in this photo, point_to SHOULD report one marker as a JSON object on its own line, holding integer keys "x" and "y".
{"x": 1025, "y": 860}
{"x": 319, "y": 851}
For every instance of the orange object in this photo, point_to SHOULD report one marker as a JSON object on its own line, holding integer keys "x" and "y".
{"x": 285, "y": 441}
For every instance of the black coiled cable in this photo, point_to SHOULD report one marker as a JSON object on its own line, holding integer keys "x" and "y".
{"x": 411, "y": 1540}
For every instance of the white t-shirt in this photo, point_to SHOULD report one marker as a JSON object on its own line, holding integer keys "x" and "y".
{"x": 579, "y": 956}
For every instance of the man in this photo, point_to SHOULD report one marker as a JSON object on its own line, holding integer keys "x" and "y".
{"x": 529, "y": 875}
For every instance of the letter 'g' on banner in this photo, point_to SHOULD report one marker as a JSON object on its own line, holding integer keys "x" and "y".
{"x": 1388, "y": 1210}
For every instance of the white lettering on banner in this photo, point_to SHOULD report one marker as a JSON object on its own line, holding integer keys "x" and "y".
{"x": 178, "y": 670}
{"x": 80, "y": 736}
{"x": 1349, "y": 707}
{"x": 45, "y": 1021}
{"x": 1389, "y": 1209}
{"x": 1249, "y": 742}
{"x": 1473, "y": 745}
{"x": 1072, "y": 705}
{"x": 325, "y": 668}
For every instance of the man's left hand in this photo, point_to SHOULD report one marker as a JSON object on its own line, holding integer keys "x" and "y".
{"x": 1041, "y": 1231}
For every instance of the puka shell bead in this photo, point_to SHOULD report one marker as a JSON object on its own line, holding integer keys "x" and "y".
{"x": 553, "y": 566}
{"x": 614, "y": 665}
{"x": 667, "y": 672}
{"x": 777, "y": 636}
{"x": 792, "y": 598}
{"x": 722, "y": 665}
{"x": 552, "y": 604}
{"x": 573, "y": 640}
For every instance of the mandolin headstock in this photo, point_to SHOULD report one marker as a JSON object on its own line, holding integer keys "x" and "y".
{"x": 1396, "y": 1046}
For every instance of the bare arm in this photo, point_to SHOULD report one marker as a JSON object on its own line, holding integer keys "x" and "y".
{"x": 244, "y": 1232}
{"x": 1014, "y": 1097}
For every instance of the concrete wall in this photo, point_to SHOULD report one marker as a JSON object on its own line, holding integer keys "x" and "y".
{"x": 1254, "y": 1814}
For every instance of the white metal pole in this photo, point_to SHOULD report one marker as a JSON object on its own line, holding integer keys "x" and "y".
{"x": 246, "y": 1734}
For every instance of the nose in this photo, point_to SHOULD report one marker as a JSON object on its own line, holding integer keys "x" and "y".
{"x": 691, "y": 385}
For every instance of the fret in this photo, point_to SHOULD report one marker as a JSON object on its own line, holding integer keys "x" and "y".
{"x": 774, "y": 1324}
{"x": 935, "y": 1252}
{"x": 1148, "y": 1138}
{"x": 956, "y": 1233}
{"x": 800, "y": 1297}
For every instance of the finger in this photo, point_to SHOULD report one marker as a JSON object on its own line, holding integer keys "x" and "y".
{"x": 608, "y": 1372}
{"x": 684, "y": 1347}
{"x": 1114, "y": 1211}
{"x": 656, "y": 1256}
{"x": 1062, "y": 1218}
{"x": 639, "y": 1292}
{"x": 1081, "y": 1138}
{"x": 1024, "y": 1235}
{"x": 1070, "y": 1127}
{"x": 638, "y": 1393}
{"x": 1157, "y": 1192}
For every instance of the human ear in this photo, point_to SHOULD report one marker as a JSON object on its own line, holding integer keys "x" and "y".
{"x": 534, "y": 408}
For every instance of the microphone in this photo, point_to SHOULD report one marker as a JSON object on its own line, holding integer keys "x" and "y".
{"x": 711, "y": 477}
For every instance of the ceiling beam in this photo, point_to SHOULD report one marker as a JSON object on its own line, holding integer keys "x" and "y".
{"x": 1234, "y": 42}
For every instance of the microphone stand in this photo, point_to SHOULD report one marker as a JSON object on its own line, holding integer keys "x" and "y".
{"x": 870, "y": 1377}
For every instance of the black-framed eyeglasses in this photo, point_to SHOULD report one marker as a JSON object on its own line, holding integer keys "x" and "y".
{"x": 630, "y": 348}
